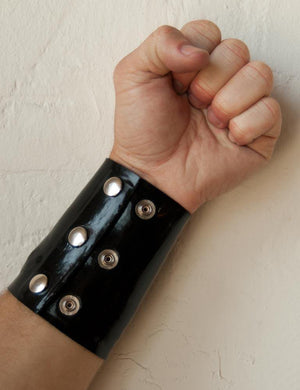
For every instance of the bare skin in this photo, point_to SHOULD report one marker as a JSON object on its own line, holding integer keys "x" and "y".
{"x": 193, "y": 117}
{"x": 35, "y": 355}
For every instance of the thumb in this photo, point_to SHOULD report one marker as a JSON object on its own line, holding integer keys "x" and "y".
{"x": 165, "y": 50}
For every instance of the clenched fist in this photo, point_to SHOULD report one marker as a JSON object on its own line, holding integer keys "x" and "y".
{"x": 193, "y": 114}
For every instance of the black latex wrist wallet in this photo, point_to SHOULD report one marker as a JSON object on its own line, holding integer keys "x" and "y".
{"x": 89, "y": 274}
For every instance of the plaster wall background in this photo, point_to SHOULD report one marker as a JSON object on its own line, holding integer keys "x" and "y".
{"x": 224, "y": 313}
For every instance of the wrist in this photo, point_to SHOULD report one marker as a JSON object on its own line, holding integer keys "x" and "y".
{"x": 162, "y": 177}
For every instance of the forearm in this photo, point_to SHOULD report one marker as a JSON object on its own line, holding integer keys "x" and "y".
{"x": 120, "y": 213}
{"x": 35, "y": 355}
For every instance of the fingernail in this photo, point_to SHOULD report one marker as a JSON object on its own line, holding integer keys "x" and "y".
{"x": 214, "y": 120}
{"x": 178, "y": 86}
{"x": 187, "y": 50}
{"x": 197, "y": 103}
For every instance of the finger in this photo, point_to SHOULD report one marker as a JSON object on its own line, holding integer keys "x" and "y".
{"x": 245, "y": 88}
{"x": 260, "y": 127}
{"x": 264, "y": 145}
{"x": 203, "y": 34}
{"x": 263, "y": 118}
{"x": 165, "y": 50}
{"x": 225, "y": 61}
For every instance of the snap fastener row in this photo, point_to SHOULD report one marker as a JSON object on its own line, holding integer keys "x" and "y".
{"x": 108, "y": 259}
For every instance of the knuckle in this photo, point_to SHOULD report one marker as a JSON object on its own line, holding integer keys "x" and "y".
{"x": 204, "y": 27}
{"x": 122, "y": 67}
{"x": 118, "y": 70}
{"x": 270, "y": 149}
{"x": 202, "y": 91}
{"x": 239, "y": 134}
{"x": 259, "y": 69}
{"x": 163, "y": 30}
{"x": 238, "y": 47}
{"x": 223, "y": 107}
{"x": 274, "y": 108}
{"x": 267, "y": 155}
{"x": 277, "y": 131}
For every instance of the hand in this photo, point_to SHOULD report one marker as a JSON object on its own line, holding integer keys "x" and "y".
{"x": 193, "y": 124}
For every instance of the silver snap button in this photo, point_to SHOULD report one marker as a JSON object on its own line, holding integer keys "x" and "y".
{"x": 77, "y": 236}
{"x": 69, "y": 305}
{"x": 108, "y": 259}
{"x": 38, "y": 283}
{"x": 112, "y": 186}
{"x": 145, "y": 209}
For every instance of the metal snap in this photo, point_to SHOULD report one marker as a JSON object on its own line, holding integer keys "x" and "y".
{"x": 108, "y": 259}
{"x": 77, "y": 236}
{"x": 69, "y": 305}
{"x": 38, "y": 283}
{"x": 145, "y": 209}
{"x": 112, "y": 186}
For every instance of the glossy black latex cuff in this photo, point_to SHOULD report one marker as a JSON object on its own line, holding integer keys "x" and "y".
{"x": 88, "y": 283}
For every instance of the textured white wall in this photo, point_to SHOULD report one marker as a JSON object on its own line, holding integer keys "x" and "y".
{"x": 224, "y": 313}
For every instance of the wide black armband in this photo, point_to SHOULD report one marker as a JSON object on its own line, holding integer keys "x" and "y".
{"x": 89, "y": 274}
